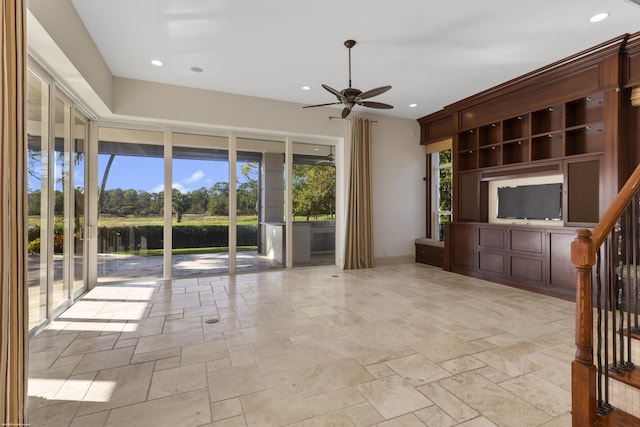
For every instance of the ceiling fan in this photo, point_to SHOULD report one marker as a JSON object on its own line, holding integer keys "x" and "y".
{"x": 352, "y": 96}
{"x": 328, "y": 160}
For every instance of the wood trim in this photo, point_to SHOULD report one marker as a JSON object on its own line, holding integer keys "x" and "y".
{"x": 635, "y": 96}
{"x": 434, "y": 147}
{"x": 617, "y": 207}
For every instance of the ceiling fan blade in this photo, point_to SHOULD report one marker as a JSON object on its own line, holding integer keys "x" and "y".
{"x": 345, "y": 112}
{"x": 333, "y": 91}
{"x": 380, "y": 105}
{"x": 374, "y": 92}
{"x": 321, "y": 105}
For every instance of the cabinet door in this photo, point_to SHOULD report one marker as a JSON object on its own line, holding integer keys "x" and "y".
{"x": 491, "y": 250}
{"x": 467, "y": 197}
{"x": 463, "y": 244}
{"x": 526, "y": 260}
{"x": 582, "y": 192}
{"x": 562, "y": 272}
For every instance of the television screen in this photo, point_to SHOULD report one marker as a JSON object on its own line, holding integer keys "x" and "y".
{"x": 542, "y": 201}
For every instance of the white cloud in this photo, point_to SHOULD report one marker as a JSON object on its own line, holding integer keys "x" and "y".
{"x": 195, "y": 177}
{"x": 179, "y": 187}
{"x": 176, "y": 185}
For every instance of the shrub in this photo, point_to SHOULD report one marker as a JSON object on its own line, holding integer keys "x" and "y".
{"x": 33, "y": 248}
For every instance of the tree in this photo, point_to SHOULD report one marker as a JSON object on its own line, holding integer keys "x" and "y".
{"x": 248, "y": 198}
{"x": 314, "y": 190}
{"x": 181, "y": 203}
{"x": 199, "y": 200}
{"x": 219, "y": 199}
{"x": 445, "y": 181}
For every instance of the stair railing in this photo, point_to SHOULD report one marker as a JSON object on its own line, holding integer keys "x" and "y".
{"x": 609, "y": 254}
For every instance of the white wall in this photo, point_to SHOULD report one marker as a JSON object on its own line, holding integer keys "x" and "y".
{"x": 398, "y": 159}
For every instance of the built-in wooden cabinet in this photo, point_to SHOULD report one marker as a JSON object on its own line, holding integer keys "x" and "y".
{"x": 533, "y": 258}
{"x": 554, "y": 132}
{"x": 569, "y": 121}
{"x": 430, "y": 253}
{"x": 570, "y": 134}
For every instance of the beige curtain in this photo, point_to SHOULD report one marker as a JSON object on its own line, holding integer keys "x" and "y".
{"x": 13, "y": 320}
{"x": 359, "y": 222}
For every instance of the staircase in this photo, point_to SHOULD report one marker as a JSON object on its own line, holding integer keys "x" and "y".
{"x": 605, "y": 378}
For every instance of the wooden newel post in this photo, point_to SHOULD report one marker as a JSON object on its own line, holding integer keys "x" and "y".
{"x": 583, "y": 372}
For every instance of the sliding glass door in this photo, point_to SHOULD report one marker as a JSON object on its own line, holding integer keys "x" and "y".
{"x": 130, "y": 204}
{"x": 56, "y": 137}
{"x": 200, "y": 201}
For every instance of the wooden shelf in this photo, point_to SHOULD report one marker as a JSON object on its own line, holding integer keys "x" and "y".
{"x": 490, "y": 156}
{"x": 547, "y": 120}
{"x": 584, "y": 110}
{"x": 467, "y": 160}
{"x": 515, "y": 128}
{"x": 490, "y": 134}
{"x": 587, "y": 139}
{"x": 467, "y": 140}
{"x": 515, "y": 152}
{"x": 547, "y": 146}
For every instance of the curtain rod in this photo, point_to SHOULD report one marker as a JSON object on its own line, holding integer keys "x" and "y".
{"x": 335, "y": 117}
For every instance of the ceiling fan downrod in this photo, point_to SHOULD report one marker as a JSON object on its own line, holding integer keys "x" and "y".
{"x": 349, "y": 44}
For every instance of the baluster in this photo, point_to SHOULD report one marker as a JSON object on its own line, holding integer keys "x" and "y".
{"x": 602, "y": 409}
{"x": 627, "y": 282}
{"x": 613, "y": 289}
{"x": 635, "y": 202}
{"x": 607, "y": 302}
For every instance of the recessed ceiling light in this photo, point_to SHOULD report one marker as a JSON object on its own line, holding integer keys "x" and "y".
{"x": 599, "y": 17}
{"x": 196, "y": 69}
{"x": 306, "y": 88}
{"x": 156, "y": 62}
{"x": 413, "y": 105}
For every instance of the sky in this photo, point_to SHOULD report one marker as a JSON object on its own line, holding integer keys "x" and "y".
{"x": 146, "y": 174}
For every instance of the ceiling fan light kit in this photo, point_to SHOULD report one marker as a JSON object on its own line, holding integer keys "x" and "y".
{"x": 351, "y": 96}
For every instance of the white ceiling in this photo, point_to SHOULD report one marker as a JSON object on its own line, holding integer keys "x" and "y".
{"x": 432, "y": 52}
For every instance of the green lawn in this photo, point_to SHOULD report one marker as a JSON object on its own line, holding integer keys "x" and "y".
{"x": 188, "y": 251}
{"x": 186, "y": 220}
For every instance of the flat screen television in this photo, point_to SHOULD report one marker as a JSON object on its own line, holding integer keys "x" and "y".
{"x": 540, "y": 201}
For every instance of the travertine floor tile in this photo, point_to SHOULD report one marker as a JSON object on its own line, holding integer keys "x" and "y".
{"x": 235, "y": 382}
{"x": 493, "y": 401}
{"x": 396, "y": 345}
{"x": 393, "y": 396}
{"x": 117, "y": 387}
{"x": 329, "y": 377}
{"x": 178, "y": 380}
{"x": 417, "y": 369}
{"x": 274, "y": 407}
{"x": 186, "y": 409}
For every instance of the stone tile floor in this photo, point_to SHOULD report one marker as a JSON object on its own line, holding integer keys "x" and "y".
{"x": 400, "y": 345}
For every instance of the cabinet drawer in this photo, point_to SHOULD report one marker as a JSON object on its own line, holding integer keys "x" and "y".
{"x": 530, "y": 241}
{"x": 429, "y": 254}
{"x": 527, "y": 269}
{"x": 491, "y": 262}
{"x": 489, "y": 237}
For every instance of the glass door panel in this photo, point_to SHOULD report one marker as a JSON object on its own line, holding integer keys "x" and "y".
{"x": 37, "y": 196}
{"x": 260, "y": 205}
{"x": 130, "y": 204}
{"x": 200, "y": 225}
{"x": 61, "y": 202}
{"x": 314, "y": 204}
{"x": 80, "y": 130}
